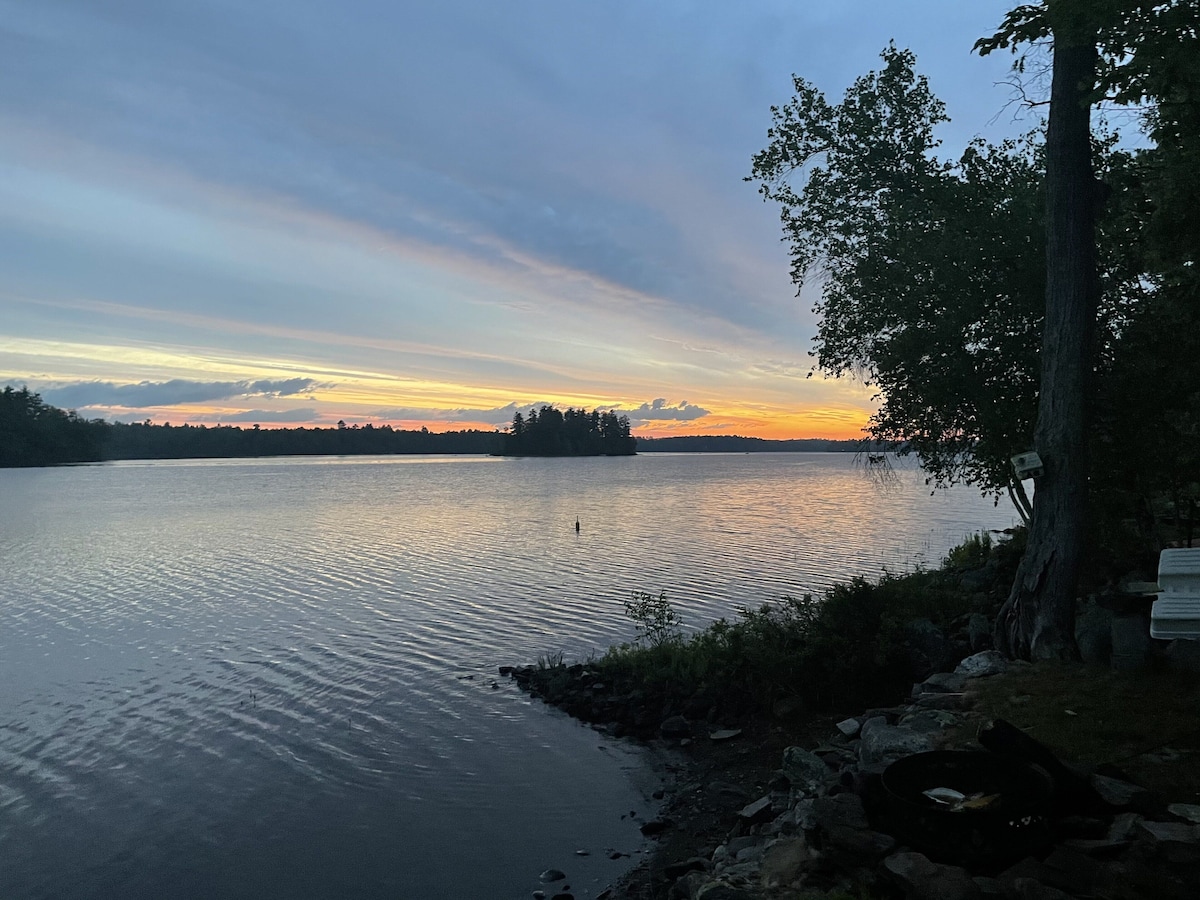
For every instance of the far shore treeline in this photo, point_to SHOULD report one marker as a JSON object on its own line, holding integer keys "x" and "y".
{"x": 34, "y": 433}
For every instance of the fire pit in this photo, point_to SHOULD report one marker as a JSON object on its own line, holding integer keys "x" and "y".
{"x": 968, "y": 807}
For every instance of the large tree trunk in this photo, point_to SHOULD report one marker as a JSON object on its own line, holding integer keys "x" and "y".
{"x": 1038, "y": 620}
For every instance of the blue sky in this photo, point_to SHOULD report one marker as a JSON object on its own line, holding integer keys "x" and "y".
{"x": 429, "y": 214}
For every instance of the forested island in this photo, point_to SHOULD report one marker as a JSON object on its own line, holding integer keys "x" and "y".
{"x": 575, "y": 432}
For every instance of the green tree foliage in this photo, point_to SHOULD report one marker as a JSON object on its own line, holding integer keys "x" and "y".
{"x": 930, "y": 272}
{"x": 33, "y": 433}
{"x": 575, "y": 432}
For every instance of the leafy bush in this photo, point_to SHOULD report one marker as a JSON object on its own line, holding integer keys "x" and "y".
{"x": 658, "y": 622}
{"x": 832, "y": 652}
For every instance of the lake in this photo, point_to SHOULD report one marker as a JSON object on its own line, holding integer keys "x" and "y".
{"x": 275, "y": 678}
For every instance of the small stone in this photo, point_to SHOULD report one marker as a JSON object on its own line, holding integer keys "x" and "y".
{"x": 725, "y": 734}
{"x": 1124, "y": 827}
{"x": 1118, "y": 793}
{"x": 783, "y": 862}
{"x": 583, "y": 853}
{"x": 983, "y": 665}
{"x": 1189, "y": 811}
{"x": 849, "y": 727}
{"x": 1169, "y": 832}
{"x": 552, "y": 875}
{"x": 756, "y": 812}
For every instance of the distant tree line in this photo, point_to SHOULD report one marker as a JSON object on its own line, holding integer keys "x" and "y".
{"x": 730, "y": 443}
{"x": 551, "y": 432}
{"x": 33, "y": 433}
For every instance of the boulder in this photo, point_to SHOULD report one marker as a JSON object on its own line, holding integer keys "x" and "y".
{"x": 805, "y": 771}
{"x": 983, "y": 665}
{"x": 882, "y": 744}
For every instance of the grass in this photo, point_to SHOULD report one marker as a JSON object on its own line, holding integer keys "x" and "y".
{"x": 1145, "y": 723}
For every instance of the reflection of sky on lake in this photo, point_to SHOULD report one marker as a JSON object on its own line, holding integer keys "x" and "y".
{"x": 271, "y": 677}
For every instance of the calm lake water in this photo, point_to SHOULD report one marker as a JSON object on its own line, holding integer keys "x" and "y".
{"x": 276, "y": 678}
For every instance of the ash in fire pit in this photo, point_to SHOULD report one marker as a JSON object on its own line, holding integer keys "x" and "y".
{"x": 968, "y": 807}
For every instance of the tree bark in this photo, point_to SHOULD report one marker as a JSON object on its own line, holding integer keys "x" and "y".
{"x": 1038, "y": 619}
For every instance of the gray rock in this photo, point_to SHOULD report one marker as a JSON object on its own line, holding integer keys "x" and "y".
{"x": 1169, "y": 832}
{"x": 849, "y": 727}
{"x": 784, "y": 861}
{"x": 804, "y": 814}
{"x": 1120, "y": 794}
{"x": 552, "y": 875}
{"x": 725, "y": 734}
{"x": 930, "y": 721}
{"x": 844, "y": 810}
{"x": 756, "y": 812}
{"x": 983, "y": 665}
{"x": 1124, "y": 827}
{"x": 736, "y": 845}
{"x": 805, "y": 771}
{"x": 750, "y": 854}
{"x": 944, "y": 683}
{"x": 1189, "y": 811}
{"x": 885, "y": 743}
{"x": 921, "y": 879}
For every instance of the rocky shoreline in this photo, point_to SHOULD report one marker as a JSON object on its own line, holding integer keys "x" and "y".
{"x": 762, "y": 809}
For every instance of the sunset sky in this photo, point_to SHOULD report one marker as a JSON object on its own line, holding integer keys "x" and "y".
{"x": 429, "y": 213}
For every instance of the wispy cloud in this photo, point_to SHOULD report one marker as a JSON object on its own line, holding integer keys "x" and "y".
{"x": 146, "y": 394}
